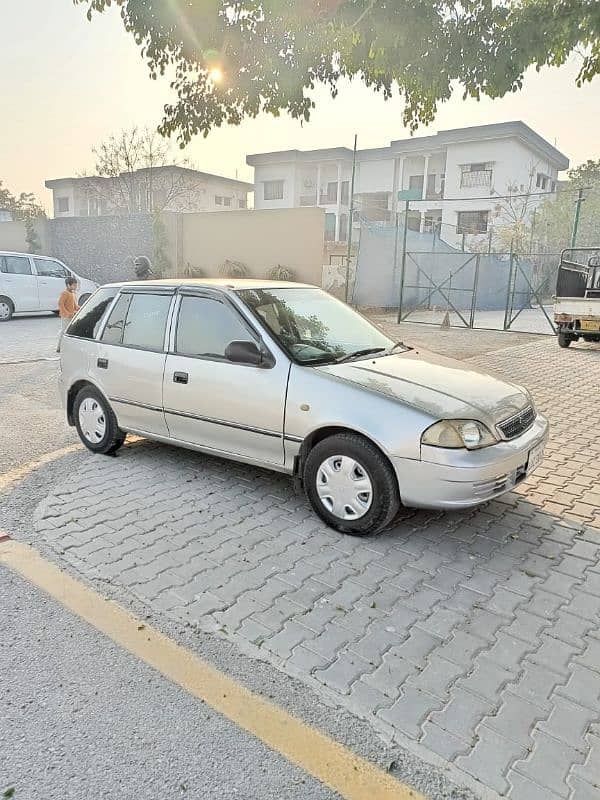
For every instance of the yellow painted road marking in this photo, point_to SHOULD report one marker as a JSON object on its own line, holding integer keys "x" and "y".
{"x": 18, "y": 473}
{"x": 342, "y": 770}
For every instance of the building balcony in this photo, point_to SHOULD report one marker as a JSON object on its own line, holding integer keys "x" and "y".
{"x": 308, "y": 199}
{"x": 475, "y": 180}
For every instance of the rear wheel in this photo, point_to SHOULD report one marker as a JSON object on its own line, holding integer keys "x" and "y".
{"x": 351, "y": 485}
{"x": 6, "y": 309}
{"x": 96, "y": 422}
{"x": 564, "y": 339}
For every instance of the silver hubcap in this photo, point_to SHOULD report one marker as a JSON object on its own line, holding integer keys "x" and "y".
{"x": 344, "y": 487}
{"x": 4, "y": 310}
{"x": 92, "y": 420}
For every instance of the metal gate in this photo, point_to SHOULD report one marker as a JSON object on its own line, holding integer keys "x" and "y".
{"x": 432, "y": 283}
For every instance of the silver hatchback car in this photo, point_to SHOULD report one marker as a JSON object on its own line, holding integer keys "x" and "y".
{"x": 284, "y": 376}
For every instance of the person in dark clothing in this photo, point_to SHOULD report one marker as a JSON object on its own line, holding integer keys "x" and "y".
{"x": 143, "y": 269}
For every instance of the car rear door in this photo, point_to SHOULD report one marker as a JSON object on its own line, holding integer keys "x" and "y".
{"x": 19, "y": 283}
{"x": 211, "y": 402}
{"x": 130, "y": 360}
{"x": 51, "y": 281}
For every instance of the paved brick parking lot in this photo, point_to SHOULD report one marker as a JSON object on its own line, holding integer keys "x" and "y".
{"x": 473, "y": 636}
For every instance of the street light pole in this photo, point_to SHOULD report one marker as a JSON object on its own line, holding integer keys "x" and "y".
{"x": 578, "y": 202}
{"x": 350, "y": 216}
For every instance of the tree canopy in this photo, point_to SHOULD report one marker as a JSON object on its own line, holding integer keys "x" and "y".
{"x": 24, "y": 206}
{"x": 554, "y": 219}
{"x": 231, "y": 59}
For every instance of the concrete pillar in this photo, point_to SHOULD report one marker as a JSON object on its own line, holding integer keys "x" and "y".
{"x": 425, "y": 176}
{"x": 338, "y": 210}
{"x": 398, "y": 181}
{"x": 318, "y": 184}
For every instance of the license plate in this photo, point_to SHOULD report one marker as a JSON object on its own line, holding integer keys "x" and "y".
{"x": 535, "y": 456}
{"x": 590, "y": 325}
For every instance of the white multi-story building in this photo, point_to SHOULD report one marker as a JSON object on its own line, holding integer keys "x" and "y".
{"x": 459, "y": 177}
{"x": 166, "y": 188}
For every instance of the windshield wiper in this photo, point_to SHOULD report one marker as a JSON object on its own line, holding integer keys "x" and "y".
{"x": 398, "y": 344}
{"x": 367, "y": 351}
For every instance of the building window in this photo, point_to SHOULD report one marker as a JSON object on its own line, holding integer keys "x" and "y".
{"x": 472, "y": 221}
{"x": 332, "y": 191}
{"x": 543, "y": 182}
{"x": 273, "y": 190}
{"x": 343, "y": 235}
{"x": 329, "y": 227}
{"x": 475, "y": 175}
{"x": 227, "y": 201}
{"x": 218, "y": 200}
{"x": 415, "y": 182}
{"x": 62, "y": 205}
{"x": 242, "y": 203}
{"x": 345, "y": 192}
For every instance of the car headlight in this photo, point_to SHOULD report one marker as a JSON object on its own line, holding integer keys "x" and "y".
{"x": 457, "y": 433}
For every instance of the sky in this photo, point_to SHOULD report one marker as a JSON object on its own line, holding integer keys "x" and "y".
{"x": 66, "y": 84}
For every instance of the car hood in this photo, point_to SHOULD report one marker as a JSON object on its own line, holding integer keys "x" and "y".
{"x": 442, "y": 387}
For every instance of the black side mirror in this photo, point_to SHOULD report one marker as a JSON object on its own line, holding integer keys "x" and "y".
{"x": 247, "y": 353}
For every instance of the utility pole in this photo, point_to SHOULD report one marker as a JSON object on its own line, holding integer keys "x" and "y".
{"x": 350, "y": 219}
{"x": 578, "y": 202}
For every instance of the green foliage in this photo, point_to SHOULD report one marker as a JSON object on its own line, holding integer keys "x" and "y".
{"x": 161, "y": 263}
{"x": 554, "y": 219}
{"x": 31, "y": 237}
{"x": 233, "y": 269}
{"x": 270, "y": 53}
{"x": 281, "y": 273}
{"x": 23, "y": 206}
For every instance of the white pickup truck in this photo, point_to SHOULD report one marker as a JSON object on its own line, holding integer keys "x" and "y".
{"x": 577, "y": 300}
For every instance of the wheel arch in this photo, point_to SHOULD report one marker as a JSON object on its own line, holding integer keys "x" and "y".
{"x": 72, "y": 393}
{"x": 9, "y": 300}
{"x": 319, "y": 434}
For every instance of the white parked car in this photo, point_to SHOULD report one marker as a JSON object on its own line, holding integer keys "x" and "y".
{"x": 286, "y": 377}
{"x": 30, "y": 283}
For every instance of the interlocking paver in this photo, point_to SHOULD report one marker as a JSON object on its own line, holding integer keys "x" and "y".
{"x": 473, "y": 633}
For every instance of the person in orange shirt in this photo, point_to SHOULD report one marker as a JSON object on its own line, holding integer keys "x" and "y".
{"x": 67, "y": 307}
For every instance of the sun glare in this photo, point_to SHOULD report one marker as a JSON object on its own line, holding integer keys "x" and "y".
{"x": 216, "y": 74}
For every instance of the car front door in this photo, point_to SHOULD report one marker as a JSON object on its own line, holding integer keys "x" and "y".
{"x": 51, "y": 281}
{"x": 19, "y": 283}
{"x": 210, "y": 401}
{"x": 129, "y": 362}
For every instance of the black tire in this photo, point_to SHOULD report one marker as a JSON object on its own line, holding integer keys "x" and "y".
{"x": 113, "y": 436}
{"x": 564, "y": 339}
{"x": 8, "y": 309}
{"x": 385, "y": 500}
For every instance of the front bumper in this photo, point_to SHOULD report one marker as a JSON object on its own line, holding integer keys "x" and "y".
{"x": 446, "y": 478}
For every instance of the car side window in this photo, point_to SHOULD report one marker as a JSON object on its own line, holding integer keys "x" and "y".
{"x": 15, "y": 265}
{"x": 113, "y": 332}
{"x": 146, "y": 321}
{"x": 87, "y": 322}
{"x": 206, "y": 326}
{"x": 48, "y": 268}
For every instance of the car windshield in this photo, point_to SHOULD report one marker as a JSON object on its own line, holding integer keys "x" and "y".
{"x": 313, "y": 326}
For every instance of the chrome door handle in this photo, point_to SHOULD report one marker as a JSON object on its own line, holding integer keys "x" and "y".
{"x": 180, "y": 377}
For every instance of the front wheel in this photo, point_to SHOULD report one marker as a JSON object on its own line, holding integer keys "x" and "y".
{"x": 96, "y": 422}
{"x": 351, "y": 485}
{"x": 564, "y": 339}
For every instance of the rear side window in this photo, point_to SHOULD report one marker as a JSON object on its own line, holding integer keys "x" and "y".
{"x": 15, "y": 265}
{"x": 50, "y": 269}
{"x": 138, "y": 320}
{"x": 87, "y": 322}
{"x": 113, "y": 332}
{"x": 147, "y": 321}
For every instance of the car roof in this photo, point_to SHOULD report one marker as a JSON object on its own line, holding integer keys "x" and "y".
{"x": 27, "y": 255}
{"x": 218, "y": 283}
